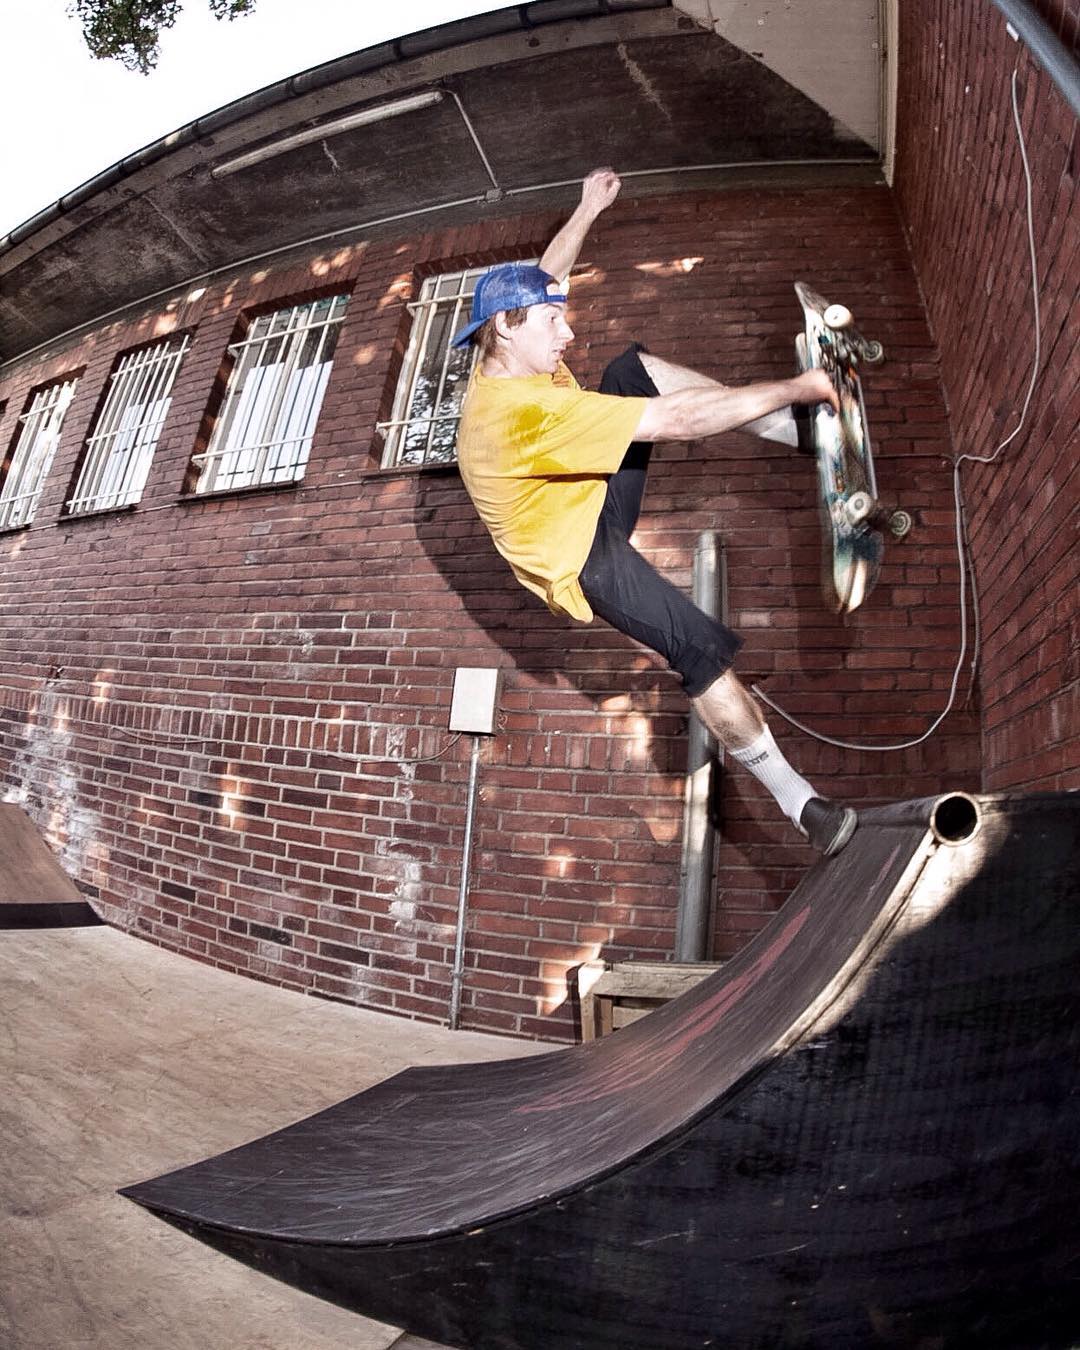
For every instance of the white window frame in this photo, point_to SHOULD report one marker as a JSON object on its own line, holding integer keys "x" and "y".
{"x": 32, "y": 456}
{"x": 263, "y": 433}
{"x": 120, "y": 448}
{"x": 422, "y": 430}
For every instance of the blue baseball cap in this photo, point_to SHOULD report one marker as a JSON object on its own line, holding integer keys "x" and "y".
{"x": 508, "y": 286}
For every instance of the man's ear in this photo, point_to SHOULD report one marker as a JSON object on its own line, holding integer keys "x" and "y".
{"x": 502, "y": 329}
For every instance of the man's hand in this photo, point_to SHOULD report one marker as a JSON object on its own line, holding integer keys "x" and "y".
{"x": 599, "y": 190}
{"x": 815, "y": 386}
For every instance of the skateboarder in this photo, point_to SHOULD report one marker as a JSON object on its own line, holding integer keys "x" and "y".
{"x": 557, "y": 475}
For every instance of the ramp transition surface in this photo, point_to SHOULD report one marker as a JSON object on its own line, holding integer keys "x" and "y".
{"x": 35, "y": 892}
{"x": 861, "y": 1131}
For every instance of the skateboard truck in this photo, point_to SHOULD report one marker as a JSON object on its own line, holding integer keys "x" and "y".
{"x": 839, "y": 319}
{"x": 862, "y": 509}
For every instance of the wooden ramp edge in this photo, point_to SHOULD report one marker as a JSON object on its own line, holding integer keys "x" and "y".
{"x": 35, "y": 891}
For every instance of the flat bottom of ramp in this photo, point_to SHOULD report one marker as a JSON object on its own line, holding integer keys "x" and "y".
{"x": 119, "y": 1056}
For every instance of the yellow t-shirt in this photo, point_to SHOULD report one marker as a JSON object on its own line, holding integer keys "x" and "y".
{"x": 535, "y": 453}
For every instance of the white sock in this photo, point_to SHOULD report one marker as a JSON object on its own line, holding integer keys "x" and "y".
{"x": 766, "y": 762}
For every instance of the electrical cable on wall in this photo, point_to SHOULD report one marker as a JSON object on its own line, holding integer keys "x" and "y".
{"x": 963, "y": 555}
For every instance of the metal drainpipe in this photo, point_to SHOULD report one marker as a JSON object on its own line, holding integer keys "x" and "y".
{"x": 695, "y": 874}
{"x": 457, "y": 977}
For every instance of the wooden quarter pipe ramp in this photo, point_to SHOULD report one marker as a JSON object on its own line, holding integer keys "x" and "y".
{"x": 860, "y": 1132}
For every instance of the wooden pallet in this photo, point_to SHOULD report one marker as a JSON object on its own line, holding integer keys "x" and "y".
{"x": 627, "y": 990}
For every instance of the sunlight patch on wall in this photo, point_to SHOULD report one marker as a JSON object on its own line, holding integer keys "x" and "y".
{"x": 640, "y": 737}
{"x": 673, "y": 268}
{"x": 102, "y": 685}
{"x": 397, "y": 291}
{"x": 554, "y": 975}
{"x": 322, "y": 267}
{"x": 663, "y": 831}
{"x": 232, "y": 797}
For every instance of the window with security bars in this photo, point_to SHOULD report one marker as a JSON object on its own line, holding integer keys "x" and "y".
{"x": 281, "y": 369}
{"x": 121, "y": 446}
{"x": 32, "y": 455}
{"x": 431, "y": 389}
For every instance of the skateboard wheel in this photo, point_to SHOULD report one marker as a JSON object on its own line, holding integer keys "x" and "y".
{"x": 837, "y": 316}
{"x": 858, "y": 507}
{"x": 900, "y": 523}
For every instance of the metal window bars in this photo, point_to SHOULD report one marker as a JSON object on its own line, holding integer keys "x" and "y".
{"x": 32, "y": 457}
{"x": 263, "y": 434}
{"x": 118, "y": 452}
{"x": 434, "y": 377}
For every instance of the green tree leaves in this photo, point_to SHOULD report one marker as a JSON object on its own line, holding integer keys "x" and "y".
{"x": 129, "y": 30}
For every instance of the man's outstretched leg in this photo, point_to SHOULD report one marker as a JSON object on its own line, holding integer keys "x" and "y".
{"x": 726, "y": 707}
{"x": 630, "y": 594}
{"x": 668, "y": 378}
{"x": 733, "y": 717}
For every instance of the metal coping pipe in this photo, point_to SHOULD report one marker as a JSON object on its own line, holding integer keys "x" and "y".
{"x": 955, "y": 818}
{"x": 952, "y": 817}
{"x": 696, "y": 867}
{"x": 1046, "y": 47}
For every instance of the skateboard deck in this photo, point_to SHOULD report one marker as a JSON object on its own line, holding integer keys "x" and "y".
{"x": 854, "y": 522}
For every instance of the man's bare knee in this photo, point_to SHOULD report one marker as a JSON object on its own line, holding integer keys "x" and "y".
{"x": 670, "y": 378}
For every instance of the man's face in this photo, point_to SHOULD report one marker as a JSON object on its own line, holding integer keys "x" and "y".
{"x": 537, "y": 345}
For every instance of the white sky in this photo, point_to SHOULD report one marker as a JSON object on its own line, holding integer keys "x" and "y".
{"x": 66, "y": 117}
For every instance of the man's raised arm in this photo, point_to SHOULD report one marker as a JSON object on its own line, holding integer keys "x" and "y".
{"x": 598, "y": 191}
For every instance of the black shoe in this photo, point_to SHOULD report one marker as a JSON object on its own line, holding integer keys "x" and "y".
{"x": 804, "y": 428}
{"x": 828, "y": 825}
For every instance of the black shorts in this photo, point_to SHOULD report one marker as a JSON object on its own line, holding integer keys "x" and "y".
{"x": 628, "y": 592}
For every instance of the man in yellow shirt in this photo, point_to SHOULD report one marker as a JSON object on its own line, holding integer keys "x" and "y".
{"x": 557, "y": 475}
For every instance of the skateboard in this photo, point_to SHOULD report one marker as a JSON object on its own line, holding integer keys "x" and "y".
{"x": 854, "y": 520}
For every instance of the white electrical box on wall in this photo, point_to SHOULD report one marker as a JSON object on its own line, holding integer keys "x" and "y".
{"x": 475, "y": 704}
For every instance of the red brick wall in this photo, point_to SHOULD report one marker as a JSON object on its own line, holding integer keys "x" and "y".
{"x": 960, "y": 189}
{"x": 186, "y": 686}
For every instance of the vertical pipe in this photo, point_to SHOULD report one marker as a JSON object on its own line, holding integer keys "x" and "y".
{"x": 695, "y": 873}
{"x": 457, "y": 978}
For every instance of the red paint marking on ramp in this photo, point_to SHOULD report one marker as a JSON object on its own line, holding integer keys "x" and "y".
{"x": 672, "y": 1042}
